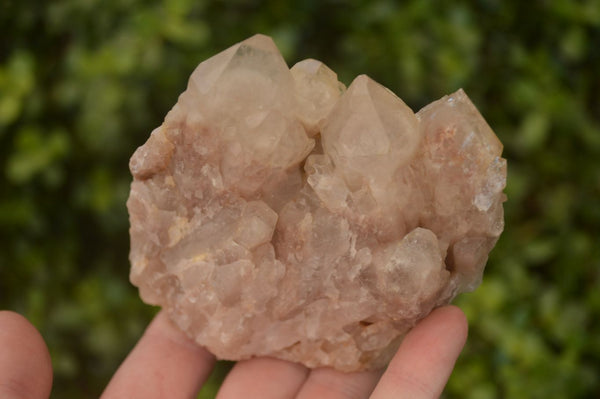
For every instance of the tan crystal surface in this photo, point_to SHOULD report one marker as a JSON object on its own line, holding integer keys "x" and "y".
{"x": 275, "y": 213}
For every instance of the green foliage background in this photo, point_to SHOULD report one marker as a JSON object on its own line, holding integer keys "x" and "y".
{"x": 83, "y": 82}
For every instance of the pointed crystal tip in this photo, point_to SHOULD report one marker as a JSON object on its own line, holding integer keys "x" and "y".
{"x": 262, "y": 42}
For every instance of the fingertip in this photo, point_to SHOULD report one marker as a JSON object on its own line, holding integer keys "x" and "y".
{"x": 263, "y": 377}
{"x": 426, "y": 357}
{"x": 164, "y": 363}
{"x": 25, "y": 364}
{"x": 456, "y": 319}
{"x": 445, "y": 327}
{"x": 326, "y": 382}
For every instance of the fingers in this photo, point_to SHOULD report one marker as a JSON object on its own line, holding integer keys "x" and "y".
{"x": 424, "y": 361}
{"x": 331, "y": 384}
{"x": 263, "y": 378}
{"x": 165, "y": 363}
{"x": 25, "y": 366}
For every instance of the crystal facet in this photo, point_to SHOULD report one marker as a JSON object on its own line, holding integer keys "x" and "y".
{"x": 277, "y": 213}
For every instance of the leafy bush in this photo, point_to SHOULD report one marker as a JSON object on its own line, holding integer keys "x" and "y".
{"x": 82, "y": 83}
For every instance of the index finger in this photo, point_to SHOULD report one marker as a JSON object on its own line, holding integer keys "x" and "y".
{"x": 165, "y": 363}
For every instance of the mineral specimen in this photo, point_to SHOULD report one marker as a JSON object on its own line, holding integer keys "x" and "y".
{"x": 277, "y": 213}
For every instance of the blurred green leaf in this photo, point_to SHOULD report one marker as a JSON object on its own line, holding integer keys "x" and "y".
{"x": 35, "y": 153}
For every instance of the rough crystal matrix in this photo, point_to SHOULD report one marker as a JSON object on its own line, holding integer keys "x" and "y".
{"x": 277, "y": 213}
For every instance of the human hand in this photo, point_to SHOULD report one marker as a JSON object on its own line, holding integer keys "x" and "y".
{"x": 166, "y": 364}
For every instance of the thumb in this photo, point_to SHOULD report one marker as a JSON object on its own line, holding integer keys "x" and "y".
{"x": 25, "y": 367}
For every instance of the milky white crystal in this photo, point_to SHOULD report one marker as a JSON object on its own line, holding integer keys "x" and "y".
{"x": 277, "y": 213}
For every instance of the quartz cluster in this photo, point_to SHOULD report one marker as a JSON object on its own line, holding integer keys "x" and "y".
{"x": 276, "y": 212}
